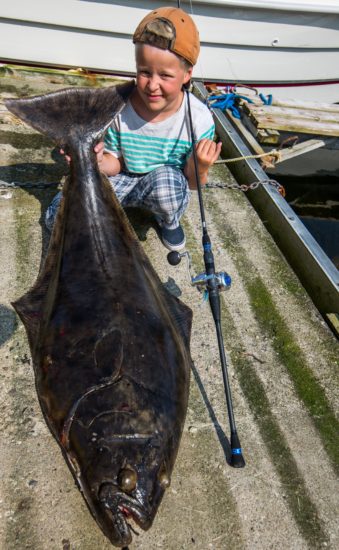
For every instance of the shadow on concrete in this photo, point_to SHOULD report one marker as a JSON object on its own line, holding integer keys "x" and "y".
{"x": 49, "y": 176}
{"x": 224, "y": 442}
{"x": 36, "y": 172}
{"x": 8, "y": 323}
{"x": 141, "y": 220}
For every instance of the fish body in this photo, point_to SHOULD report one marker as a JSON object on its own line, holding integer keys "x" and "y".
{"x": 110, "y": 346}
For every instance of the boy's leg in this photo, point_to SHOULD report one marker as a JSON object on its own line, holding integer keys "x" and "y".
{"x": 165, "y": 192}
{"x": 123, "y": 183}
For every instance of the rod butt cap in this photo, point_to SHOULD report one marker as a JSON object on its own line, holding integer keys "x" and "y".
{"x": 237, "y": 459}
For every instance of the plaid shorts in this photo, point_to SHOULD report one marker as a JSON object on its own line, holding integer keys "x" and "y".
{"x": 164, "y": 191}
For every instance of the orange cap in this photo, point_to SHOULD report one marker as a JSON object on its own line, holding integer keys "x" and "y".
{"x": 186, "y": 36}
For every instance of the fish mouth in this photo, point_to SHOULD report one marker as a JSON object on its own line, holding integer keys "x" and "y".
{"x": 121, "y": 509}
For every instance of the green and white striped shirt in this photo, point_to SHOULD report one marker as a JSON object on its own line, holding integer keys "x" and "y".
{"x": 145, "y": 146}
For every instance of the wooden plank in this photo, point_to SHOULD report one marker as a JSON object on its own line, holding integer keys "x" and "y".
{"x": 272, "y": 133}
{"x": 305, "y": 125}
{"x": 294, "y": 125}
{"x": 293, "y": 104}
{"x": 246, "y": 134}
{"x": 268, "y": 136}
{"x": 333, "y": 320}
{"x": 257, "y": 111}
{"x": 298, "y": 104}
{"x": 284, "y": 154}
{"x": 263, "y": 135}
{"x": 300, "y": 149}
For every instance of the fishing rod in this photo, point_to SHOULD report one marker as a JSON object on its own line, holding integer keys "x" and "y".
{"x": 213, "y": 283}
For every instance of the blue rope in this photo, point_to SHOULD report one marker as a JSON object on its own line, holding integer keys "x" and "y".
{"x": 267, "y": 100}
{"x": 228, "y": 101}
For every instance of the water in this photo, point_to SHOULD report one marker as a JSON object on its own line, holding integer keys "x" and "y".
{"x": 316, "y": 202}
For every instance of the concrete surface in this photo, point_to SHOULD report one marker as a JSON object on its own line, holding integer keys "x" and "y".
{"x": 283, "y": 363}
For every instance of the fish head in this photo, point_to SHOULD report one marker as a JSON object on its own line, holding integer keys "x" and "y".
{"x": 138, "y": 479}
{"x": 125, "y": 455}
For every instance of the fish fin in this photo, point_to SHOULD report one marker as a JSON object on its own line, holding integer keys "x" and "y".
{"x": 108, "y": 346}
{"x": 30, "y": 310}
{"x": 181, "y": 315}
{"x": 29, "y": 313}
{"x": 30, "y": 306}
{"x": 60, "y": 115}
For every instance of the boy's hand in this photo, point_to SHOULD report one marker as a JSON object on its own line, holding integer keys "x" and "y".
{"x": 108, "y": 164}
{"x": 207, "y": 153}
{"x": 99, "y": 151}
{"x": 67, "y": 157}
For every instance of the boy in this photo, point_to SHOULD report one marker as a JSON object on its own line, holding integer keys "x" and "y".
{"x": 147, "y": 151}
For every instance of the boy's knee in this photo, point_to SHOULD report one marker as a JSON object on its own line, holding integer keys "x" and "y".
{"x": 170, "y": 194}
{"x": 170, "y": 178}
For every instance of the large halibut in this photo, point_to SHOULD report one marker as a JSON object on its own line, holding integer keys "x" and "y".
{"x": 110, "y": 346}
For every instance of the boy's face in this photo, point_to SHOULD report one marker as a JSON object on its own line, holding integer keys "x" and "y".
{"x": 160, "y": 77}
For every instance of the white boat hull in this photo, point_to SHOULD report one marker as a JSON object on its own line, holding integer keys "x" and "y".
{"x": 289, "y": 47}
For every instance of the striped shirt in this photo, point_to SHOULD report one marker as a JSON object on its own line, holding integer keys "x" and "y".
{"x": 145, "y": 146}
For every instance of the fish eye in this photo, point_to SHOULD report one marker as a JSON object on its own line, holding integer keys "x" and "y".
{"x": 127, "y": 480}
{"x": 164, "y": 479}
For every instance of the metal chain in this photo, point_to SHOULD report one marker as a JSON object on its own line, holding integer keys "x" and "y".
{"x": 17, "y": 184}
{"x": 248, "y": 187}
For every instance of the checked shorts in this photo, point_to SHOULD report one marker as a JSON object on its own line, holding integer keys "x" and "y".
{"x": 164, "y": 191}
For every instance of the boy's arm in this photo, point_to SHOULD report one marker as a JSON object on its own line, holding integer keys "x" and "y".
{"x": 207, "y": 153}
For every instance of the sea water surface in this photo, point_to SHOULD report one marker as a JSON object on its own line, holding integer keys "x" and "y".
{"x": 316, "y": 201}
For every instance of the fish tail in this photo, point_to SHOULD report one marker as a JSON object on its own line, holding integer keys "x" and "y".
{"x": 72, "y": 114}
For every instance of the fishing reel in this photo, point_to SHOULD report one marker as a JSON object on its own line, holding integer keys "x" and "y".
{"x": 222, "y": 279}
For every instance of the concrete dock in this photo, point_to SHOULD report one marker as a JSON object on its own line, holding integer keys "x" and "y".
{"x": 283, "y": 366}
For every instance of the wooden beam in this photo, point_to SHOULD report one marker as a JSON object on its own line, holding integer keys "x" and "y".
{"x": 258, "y": 111}
{"x": 294, "y": 125}
{"x": 297, "y": 104}
{"x": 300, "y": 149}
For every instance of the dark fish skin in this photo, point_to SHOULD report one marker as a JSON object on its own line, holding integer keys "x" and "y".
{"x": 110, "y": 346}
